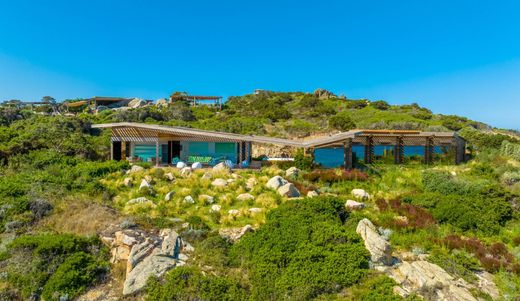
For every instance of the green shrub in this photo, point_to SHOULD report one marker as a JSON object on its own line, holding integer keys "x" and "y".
{"x": 303, "y": 162}
{"x": 188, "y": 283}
{"x": 510, "y": 149}
{"x": 74, "y": 276}
{"x": 342, "y": 122}
{"x": 380, "y": 105}
{"x": 302, "y": 251}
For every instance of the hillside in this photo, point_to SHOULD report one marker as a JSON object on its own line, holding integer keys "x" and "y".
{"x": 75, "y": 226}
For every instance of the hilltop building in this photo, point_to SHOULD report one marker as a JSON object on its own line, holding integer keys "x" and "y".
{"x": 164, "y": 144}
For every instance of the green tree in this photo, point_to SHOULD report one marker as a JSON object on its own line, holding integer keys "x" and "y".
{"x": 342, "y": 121}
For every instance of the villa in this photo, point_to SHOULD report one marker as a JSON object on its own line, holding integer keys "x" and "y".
{"x": 163, "y": 145}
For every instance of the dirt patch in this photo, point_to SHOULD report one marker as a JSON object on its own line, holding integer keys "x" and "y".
{"x": 81, "y": 217}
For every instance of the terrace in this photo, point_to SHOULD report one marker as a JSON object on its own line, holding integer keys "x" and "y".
{"x": 161, "y": 144}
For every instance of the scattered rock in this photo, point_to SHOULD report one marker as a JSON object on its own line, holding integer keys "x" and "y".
{"x": 148, "y": 179}
{"x": 292, "y": 172}
{"x": 275, "y": 182}
{"x": 235, "y": 176}
{"x": 145, "y": 184}
{"x": 222, "y": 166}
{"x": 207, "y": 199}
{"x": 169, "y": 196}
{"x": 360, "y": 193}
{"x": 231, "y": 180}
{"x": 140, "y": 200}
{"x": 250, "y": 183}
{"x": 353, "y": 205}
{"x": 189, "y": 200}
{"x": 255, "y": 210}
{"x": 245, "y": 197}
{"x": 379, "y": 248}
{"x": 196, "y": 165}
{"x": 154, "y": 265}
{"x": 128, "y": 182}
{"x": 180, "y": 165}
{"x": 169, "y": 176}
{"x": 186, "y": 171}
{"x": 312, "y": 194}
{"x": 135, "y": 168}
{"x": 234, "y": 212}
{"x": 215, "y": 208}
{"x": 13, "y": 225}
{"x": 219, "y": 182}
{"x": 234, "y": 234}
{"x": 289, "y": 190}
{"x": 207, "y": 176}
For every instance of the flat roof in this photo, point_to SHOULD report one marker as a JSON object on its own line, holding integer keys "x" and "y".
{"x": 153, "y": 129}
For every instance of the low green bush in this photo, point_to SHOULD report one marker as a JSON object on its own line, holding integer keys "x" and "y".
{"x": 188, "y": 283}
{"x": 458, "y": 263}
{"x": 74, "y": 276}
{"x": 303, "y": 250}
{"x": 61, "y": 264}
{"x": 342, "y": 121}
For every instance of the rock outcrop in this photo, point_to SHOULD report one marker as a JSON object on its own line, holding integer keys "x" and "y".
{"x": 234, "y": 234}
{"x": 379, "y": 248}
{"x": 145, "y": 253}
{"x": 245, "y": 197}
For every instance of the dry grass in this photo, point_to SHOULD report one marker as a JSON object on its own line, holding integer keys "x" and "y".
{"x": 80, "y": 216}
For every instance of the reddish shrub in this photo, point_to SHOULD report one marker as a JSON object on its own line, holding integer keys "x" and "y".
{"x": 516, "y": 241}
{"x": 382, "y": 204}
{"x": 492, "y": 257}
{"x": 302, "y": 188}
{"x": 515, "y": 268}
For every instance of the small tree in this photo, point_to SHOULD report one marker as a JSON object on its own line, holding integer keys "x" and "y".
{"x": 342, "y": 122}
{"x": 48, "y": 99}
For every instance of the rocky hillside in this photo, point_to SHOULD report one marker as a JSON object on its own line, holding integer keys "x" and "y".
{"x": 73, "y": 226}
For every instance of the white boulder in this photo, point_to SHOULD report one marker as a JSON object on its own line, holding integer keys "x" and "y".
{"x": 180, "y": 165}
{"x": 292, "y": 172}
{"x": 207, "y": 199}
{"x": 128, "y": 182}
{"x": 153, "y": 265}
{"x": 245, "y": 197}
{"x": 189, "y": 199}
{"x": 276, "y": 182}
{"x": 169, "y": 196}
{"x": 360, "y": 194}
{"x": 169, "y": 176}
{"x": 135, "y": 168}
{"x": 196, "y": 165}
{"x": 222, "y": 166}
{"x": 219, "y": 182}
{"x": 312, "y": 194}
{"x": 233, "y": 212}
{"x": 215, "y": 208}
{"x": 145, "y": 184}
{"x": 186, "y": 171}
{"x": 289, "y": 190}
{"x": 353, "y": 205}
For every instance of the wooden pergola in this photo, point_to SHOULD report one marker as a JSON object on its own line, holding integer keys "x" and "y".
{"x": 127, "y": 132}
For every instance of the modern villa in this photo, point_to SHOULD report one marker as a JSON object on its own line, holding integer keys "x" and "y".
{"x": 163, "y": 145}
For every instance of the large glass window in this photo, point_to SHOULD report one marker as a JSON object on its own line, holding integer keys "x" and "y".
{"x": 199, "y": 148}
{"x": 145, "y": 152}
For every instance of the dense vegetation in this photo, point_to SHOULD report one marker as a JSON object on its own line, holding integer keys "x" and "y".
{"x": 466, "y": 217}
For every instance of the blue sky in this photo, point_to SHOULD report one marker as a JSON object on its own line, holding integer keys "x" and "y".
{"x": 455, "y": 57}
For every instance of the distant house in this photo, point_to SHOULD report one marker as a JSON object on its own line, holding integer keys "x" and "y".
{"x": 165, "y": 144}
{"x": 109, "y": 102}
{"x": 195, "y": 100}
